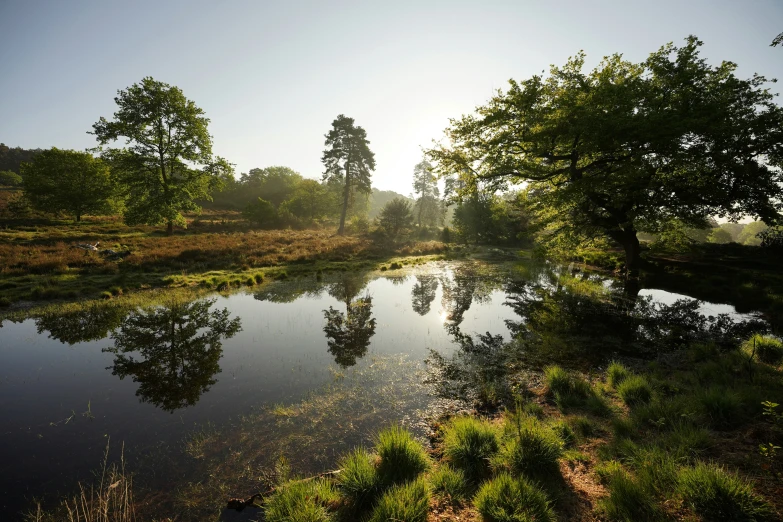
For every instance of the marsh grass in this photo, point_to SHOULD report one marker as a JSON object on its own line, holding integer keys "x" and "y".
{"x": 634, "y": 390}
{"x": 530, "y": 449}
{"x": 616, "y": 373}
{"x": 301, "y": 500}
{"x": 108, "y": 499}
{"x": 358, "y": 480}
{"x": 407, "y": 502}
{"x": 401, "y": 457}
{"x": 765, "y": 348}
{"x": 509, "y": 499}
{"x": 717, "y": 494}
{"x": 469, "y": 444}
{"x": 451, "y": 483}
{"x": 628, "y": 499}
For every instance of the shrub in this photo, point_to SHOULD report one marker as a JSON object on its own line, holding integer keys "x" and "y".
{"x": 301, "y": 501}
{"x": 261, "y": 212}
{"x": 508, "y": 499}
{"x": 722, "y": 406}
{"x": 766, "y": 348}
{"x": 405, "y": 502}
{"x": 716, "y": 494}
{"x": 634, "y": 389}
{"x": 628, "y": 500}
{"x": 534, "y": 452}
{"x": 451, "y": 483}
{"x": 358, "y": 480}
{"x": 401, "y": 457}
{"x": 469, "y": 444}
{"x": 616, "y": 373}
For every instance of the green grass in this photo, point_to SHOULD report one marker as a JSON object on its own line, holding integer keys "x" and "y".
{"x": 402, "y": 458}
{"x": 358, "y": 481}
{"x": 407, "y": 502}
{"x": 533, "y": 452}
{"x": 718, "y": 495}
{"x": 722, "y": 407}
{"x": 469, "y": 444}
{"x": 634, "y": 390}
{"x": 302, "y": 501}
{"x": 451, "y": 483}
{"x": 509, "y": 499}
{"x": 616, "y": 373}
{"x": 628, "y": 500}
{"x": 767, "y": 349}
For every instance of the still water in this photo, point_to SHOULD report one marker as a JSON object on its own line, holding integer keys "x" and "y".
{"x": 152, "y": 377}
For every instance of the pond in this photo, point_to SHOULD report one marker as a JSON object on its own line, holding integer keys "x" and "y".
{"x": 208, "y": 393}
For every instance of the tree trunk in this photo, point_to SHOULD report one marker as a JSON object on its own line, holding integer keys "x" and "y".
{"x": 346, "y": 195}
{"x": 78, "y": 217}
{"x": 170, "y": 228}
{"x": 632, "y": 251}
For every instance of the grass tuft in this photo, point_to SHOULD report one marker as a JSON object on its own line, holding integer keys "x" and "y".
{"x": 533, "y": 452}
{"x": 723, "y": 407}
{"x": 508, "y": 499}
{"x": 634, "y": 389}
{"x": 716, "y": 494}
{"x": 358, "y": 480}
{"x": 628, "y": 499}
{"x": 450, "y": 483}
{"x": 767, "y": 349}
{"x": 301, "y": 500}
{"x": 616, "y": 373}
{"x": 402, "y": 458}
{"x": 469, "y": 444}
{"x": 405, "y": 502}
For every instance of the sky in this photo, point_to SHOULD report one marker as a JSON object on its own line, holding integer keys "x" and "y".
{"x": 272, "y": 76}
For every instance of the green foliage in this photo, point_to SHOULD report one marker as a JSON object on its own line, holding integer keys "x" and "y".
{"x": 628, "y": 499}
{"x": 607, "y": 470}
{"x": 720, "y": 236}
{"x": 616, "y": 373}
{"x": 635, "y": 390}
{"x": 407, "y": 502}
{"x": 603, "y": 152}
{"x": 766, "y": 348}
{"x": 301, "y": 501}
{"x": 68, "y": 181}
{"x": 261, "y": 212}
{"x": 167, "y": 164}
{"x": 428, "y": 209}
{"x": 749, "y": 234}
{"x": 450, "y": 482}
{"x": 10, "y": 179}
{"x": 509, "y": 499}
{"x": 396, "y": 219}
{"x": 718, "y": 495}
{"x": 358, "y": 480}
{"x": 402, "y": 458}
{"x": 348, "y": 161}
{"x": 469, "y": 444}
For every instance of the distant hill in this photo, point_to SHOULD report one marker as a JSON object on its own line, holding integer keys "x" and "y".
{"x": 380, "y": 197}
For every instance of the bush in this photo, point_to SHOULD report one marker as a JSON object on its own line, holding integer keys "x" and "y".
{"x": 405, "y": 502}
{"x": 469, "y": 444}
{"x": 261, "y": 212}
{"x": 358, "y": 480}
{"x": 616, "y": 373}
{"x": 716, "y": 494}
{"x": 722, "y": 406}
{"x": 534, "y": 453}
{"x": 628, "y": 500}
{"x": 396, "y": 219}
{"x": 401, "y": 457}
{"x": 451, "y": 483}
{"x": 767, "y": 349}
{"x": 508, "y": 499}
{"x": 303, "y": 501}
{"x": 634, "y": 389}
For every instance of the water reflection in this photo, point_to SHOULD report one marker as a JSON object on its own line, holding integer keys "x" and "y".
{"x": 462, "y": 287}
{"x": 172, "y": 351}
{"x": 423, "y": 294}
{"x": 348, "y": 333}
{"x": 91, "y": 323}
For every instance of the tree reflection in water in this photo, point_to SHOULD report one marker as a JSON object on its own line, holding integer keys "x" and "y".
{"x": 423, "y": 293}
{"x": 178, "y": 349}
{"x": 91, "y": 323}
{"x": 348, "y": 334}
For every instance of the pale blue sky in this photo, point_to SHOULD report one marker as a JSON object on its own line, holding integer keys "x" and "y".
{"x": 273, "y": 75}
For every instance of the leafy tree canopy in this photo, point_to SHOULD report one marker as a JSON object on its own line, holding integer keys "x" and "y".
{"x": 68, "y": 181}
{"x": 167, "y": 163}
{"x": 627, "y": 146}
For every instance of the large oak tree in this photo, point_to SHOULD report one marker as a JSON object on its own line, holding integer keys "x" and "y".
{"x": 167, "y": 163}
{"x": 628, "y": 146}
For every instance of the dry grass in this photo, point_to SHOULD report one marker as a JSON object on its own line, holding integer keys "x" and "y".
{"x": 108, "y": 500}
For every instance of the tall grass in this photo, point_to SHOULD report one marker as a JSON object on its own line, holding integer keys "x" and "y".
{"x": 358, "y": 480}
{"x": 765, "y": 348}
{"x": 407, "y": 502}
{"x": 634, "y": 389}
{"x": 301, "y": 500}
{"x": 402, "y": 458}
